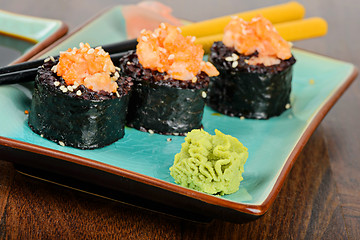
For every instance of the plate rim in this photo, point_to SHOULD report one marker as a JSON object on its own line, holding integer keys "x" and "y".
{"x": 251, "y": 209}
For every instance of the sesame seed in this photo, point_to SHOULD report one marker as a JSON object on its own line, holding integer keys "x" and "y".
{"x": 193, "y": 39}
{"x": 42, "y": 135}
{"x": 203, "y": 94}
{"x": 91, "y": 51}
{"x": 162, "y": 49}
{"x": 78, "y": 92}
{"x": 235, "y": 56}
{"x": 229, "y": 59}
{"x": 234, "y": 64}
{"x": 70, "y": 88}
{"x": 116, "y": 75}
{"x": 154, "y": 35}
{"x": 63, "y": 89}
{"x": 56, "y": 83}
{"x": 151, "y": 131}
{"x": 98, "y": 48}
{"x": 128, "y": 63}
{"x": 117, "y": 69}
{"x": 162, "y": 25}
{"x": 142, "y": 30}
{"x": 81, "y": 45}
{"x": 61, "y": 143}
{"x": 74, "y": 49}
{"x": 287, "y": 106}
{"x": 169, "y": 139}
{"x": 52, "y": 58}
{"x": 54, "y": 68}
{"x": 76, "y": 84}
{"x": 101, "y": 52}
{"x": 171, "y": 56}
{"x": 194, "y": 79}
{"x": 117, "y": 94}
{"x": 179, "y": 29}
{"x": 242, "y": 118}
{"x": 46, "y": 60}
{"x": 144, "y": 38}
{"x": 246, "y": 61}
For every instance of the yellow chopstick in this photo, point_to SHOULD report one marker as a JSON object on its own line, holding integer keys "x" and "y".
{"x": 290, "y": 31}
{"x": 276, "y": 14}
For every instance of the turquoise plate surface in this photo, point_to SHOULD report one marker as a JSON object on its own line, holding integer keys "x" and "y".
{"x": 27, "y": 35}
{"x": 273, "y": 144}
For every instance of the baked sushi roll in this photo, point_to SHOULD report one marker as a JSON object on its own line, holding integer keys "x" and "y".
{"x": 79, "y": 99}
{"x": 255, "y": 65}
{"x": 170, "y": 82}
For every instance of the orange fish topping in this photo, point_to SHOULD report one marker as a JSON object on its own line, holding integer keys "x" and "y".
{"x": 88, "y": 66}
{"x": 166, "y": 50}
{"x": 257, "y": 35}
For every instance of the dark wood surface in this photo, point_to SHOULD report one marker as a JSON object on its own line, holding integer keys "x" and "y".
{"x": 319, "y": 200}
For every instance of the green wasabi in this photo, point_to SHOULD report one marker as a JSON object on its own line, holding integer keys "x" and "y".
{"x": 210, "y": 164}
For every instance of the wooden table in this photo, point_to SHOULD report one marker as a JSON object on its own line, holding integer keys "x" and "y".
{"x": 320, "y": 198}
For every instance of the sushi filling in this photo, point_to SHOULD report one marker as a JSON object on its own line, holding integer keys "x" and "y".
{"x": 257, "y": 39}
{"x": 72, "y": 114}
{"x": 47, "y": 76}
{"x": 170, "y": 81}
{"x": 228, "y": 59}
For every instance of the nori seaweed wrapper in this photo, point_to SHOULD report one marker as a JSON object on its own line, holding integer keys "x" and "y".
{"x": 250, "y": 91}
{"x": 87, "y": 121}
{"x": 161, "y": 104}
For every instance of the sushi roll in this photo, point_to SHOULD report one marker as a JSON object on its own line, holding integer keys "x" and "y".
{"x": 255, "y": 65}
{"x": 79, "y": 99}
{"x": 170, "y": 82}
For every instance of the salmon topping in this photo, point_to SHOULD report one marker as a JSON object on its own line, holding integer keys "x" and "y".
{"x": 166, "y": 50}
{"x": 257, "y": 35}
{"x": 87, "y": 66}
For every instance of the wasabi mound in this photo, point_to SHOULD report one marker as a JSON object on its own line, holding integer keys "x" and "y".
{"x": 210, "y": 164}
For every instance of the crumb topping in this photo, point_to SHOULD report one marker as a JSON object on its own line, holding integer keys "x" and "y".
{"x": 166, "y": 50}
{"x": 257, "y": 36}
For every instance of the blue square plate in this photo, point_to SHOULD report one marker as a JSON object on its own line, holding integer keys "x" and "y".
{"x": 139, "y": 163}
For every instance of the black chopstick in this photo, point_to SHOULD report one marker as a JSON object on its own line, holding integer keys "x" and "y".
{"x": 26, "y": 71}
{"x": 28, "y": 75}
